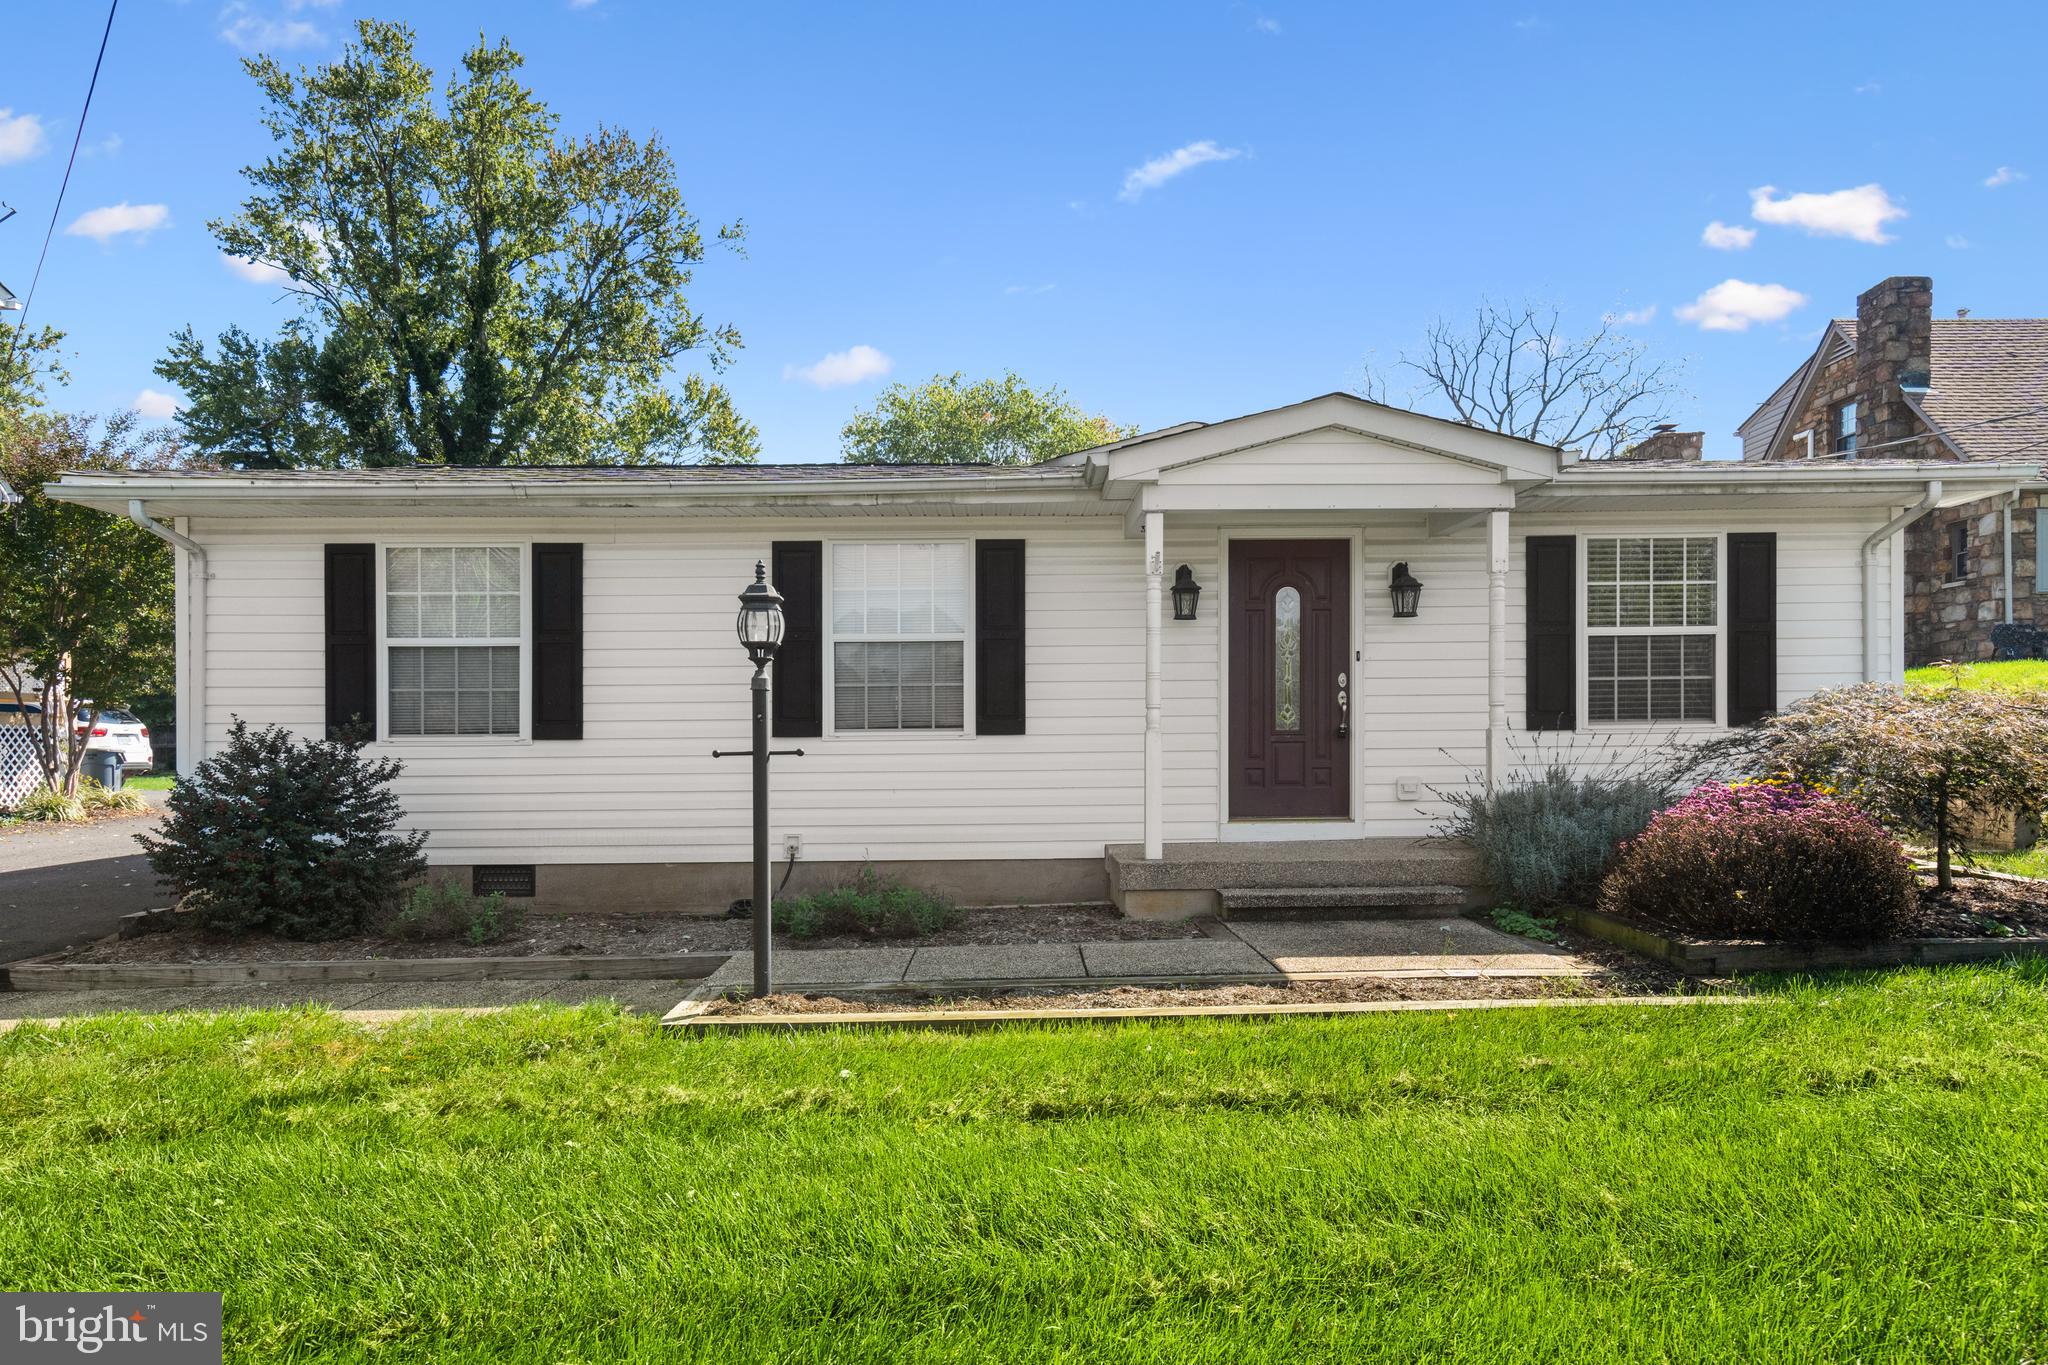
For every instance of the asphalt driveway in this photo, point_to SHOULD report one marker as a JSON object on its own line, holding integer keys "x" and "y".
{"x": 67, "y": 884}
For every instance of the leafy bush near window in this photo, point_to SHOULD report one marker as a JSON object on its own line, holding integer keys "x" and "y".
{"x": 872, "y": 905}
{"x": 1546, "y": 838}
{"x": 277, "y": 834}
{"x": 48, "y": 806}
{"x": 1766, "y": 860}
{"x": 438, "y": 910}
{"x": 1912, "y": 758}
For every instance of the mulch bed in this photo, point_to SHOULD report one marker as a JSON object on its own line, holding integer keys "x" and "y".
{"x": 2019, "y": 907}
{"x": 641, "y": 935}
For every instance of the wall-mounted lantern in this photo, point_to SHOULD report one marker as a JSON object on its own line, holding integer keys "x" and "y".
{"x": 1186, "y": 592}
{"x": 1405, "y": 589}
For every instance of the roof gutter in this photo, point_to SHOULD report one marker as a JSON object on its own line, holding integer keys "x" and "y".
{"x": 191, "y": 635}
{"x": 1932, "y": 500}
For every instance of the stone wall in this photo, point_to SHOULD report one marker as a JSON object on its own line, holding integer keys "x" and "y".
{"x": 1667, "y": 444}
{"x": 1950, "y": 618}
{"x": 1894, "y": 350}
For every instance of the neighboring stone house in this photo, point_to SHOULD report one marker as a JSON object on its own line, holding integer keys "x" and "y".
{"x": 1896, "y": 382}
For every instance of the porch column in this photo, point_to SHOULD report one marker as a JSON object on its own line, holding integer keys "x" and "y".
{"x": 1496, "y": 648}
{"x": 1155, "y": 572}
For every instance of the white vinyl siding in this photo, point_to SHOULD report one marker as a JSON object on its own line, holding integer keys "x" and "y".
{"x": 452, "y": 640}
{"x": 897, "y": 616}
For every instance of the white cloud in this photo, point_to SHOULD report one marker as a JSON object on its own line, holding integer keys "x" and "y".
{"x": 840, "y": 368}
{"x": 1732, "y": 305}
{"x": 1728, "y": 236}
{"x": 2004, "y": 175}
{"x": 256, "y": 272}
{"x": 1161, "y": 169}
{"x": 120, "y": 220}
{"x": 21, "y": 136}
{"x": 1266, "y": 24}
{"x": 243, "y": 27}
{"x": 1634, "y": 317}
{"x": 1955, "y": 241}
{"x": 156, "y": 407}
{"x": 1860, "y": 213}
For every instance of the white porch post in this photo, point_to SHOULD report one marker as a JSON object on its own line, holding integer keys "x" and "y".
{"x": 1496, "y": 647}
{"x": 1155, "y": 571}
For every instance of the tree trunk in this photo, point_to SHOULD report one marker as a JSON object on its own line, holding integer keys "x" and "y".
{"x": 1943, "y": 880}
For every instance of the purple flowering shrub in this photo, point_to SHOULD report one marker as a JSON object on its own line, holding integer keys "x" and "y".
{"x": 1766, "y": 860}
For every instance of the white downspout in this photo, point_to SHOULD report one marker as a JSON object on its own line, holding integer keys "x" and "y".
{"x": 1927, "y": 503}
{"x": 2011, "y": 501}
{"x": 1496, "y": 648}
{"x": 191, "y": 661}
{"x": 1155, "y": 571}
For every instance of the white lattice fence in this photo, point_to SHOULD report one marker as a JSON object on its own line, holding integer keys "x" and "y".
{"x": 20, "y": 773}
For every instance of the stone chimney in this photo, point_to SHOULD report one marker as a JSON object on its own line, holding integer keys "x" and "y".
{"x": 1894, "y": 351}
{"x": 1667, "y": 442}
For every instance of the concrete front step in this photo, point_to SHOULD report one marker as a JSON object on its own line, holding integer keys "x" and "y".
{"x": 1190, "y": 879}
{"x": 1335, "y": 902}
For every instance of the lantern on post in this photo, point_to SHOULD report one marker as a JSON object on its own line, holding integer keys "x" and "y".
{"x": 760, "y": 631}
{"x": 1405, "y": 589}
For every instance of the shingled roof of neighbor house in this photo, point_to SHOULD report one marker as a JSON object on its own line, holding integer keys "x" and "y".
{"x": 1988, "y": 394}
{"x": 561, "y": 473}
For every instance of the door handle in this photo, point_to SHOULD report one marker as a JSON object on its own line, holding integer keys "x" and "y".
{"x": 1343, "y": 706}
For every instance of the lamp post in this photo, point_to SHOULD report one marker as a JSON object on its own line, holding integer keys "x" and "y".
{"x": 760, "y": 631}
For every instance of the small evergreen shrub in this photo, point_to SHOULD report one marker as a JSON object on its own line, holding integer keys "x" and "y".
{"x": 1547, "y": 838}
{"x": 99, "y": 800}
{"x": 1509, "y": 921}
{"x": 50, "y": 806}
{"x": 437, "y": 910}
{"x": 1768, "y": 860}
{"x": 872, "y": 905}
{"x": 277, "y": 834}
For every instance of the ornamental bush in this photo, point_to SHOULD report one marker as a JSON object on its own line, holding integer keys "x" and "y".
{"x": 1766, "y": 860}
{"x": 1545, "y": 838}
{"x": 277, "y": 834}
{"x": 873, "y": 905}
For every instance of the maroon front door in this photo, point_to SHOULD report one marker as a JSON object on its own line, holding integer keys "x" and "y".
{"x": 1290, "y": 674}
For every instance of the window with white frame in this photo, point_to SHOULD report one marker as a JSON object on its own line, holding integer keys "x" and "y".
{"x": 1653, "y": 615}
{"x": 452, "y": 639}
{"x": 899, "y": 636}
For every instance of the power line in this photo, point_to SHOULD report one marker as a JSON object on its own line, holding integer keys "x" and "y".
{"x": 21, "y": 323}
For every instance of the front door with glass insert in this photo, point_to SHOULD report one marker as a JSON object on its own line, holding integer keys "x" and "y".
{"x": 1290, "y": 679}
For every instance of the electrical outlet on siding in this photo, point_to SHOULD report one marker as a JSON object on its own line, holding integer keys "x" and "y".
{"x": 1408, "y": 788}
{"x": 792, "y": 846}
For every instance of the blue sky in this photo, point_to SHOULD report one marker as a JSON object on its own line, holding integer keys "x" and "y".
{"x": 945, "y": 187}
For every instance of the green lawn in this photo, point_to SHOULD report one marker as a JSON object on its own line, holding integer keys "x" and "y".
{"x": 2026, "y": 862}
{"x": 1853, "y": 1170}
{"x": 2027, "y": 675}
{"x": 151, "y": 782}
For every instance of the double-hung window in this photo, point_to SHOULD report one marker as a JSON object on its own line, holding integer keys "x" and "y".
{"x": 452, "y": 639}
{"x": 899, "y": 636}
{"x": 1653, "y": 616}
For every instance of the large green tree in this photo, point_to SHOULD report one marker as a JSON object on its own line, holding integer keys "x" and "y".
{"x": 29, "y": 363}
{"x": 992, "y": 421}
{"x": 475, "y": 288}
{"x": 85, "y": 598}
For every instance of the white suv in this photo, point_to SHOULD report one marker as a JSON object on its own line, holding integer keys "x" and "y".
{"x": 121, "y": 731}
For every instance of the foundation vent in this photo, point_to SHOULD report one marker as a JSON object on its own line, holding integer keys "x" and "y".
{"x": 504, "y": 879}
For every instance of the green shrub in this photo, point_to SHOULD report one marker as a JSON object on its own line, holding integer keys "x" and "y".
{"x": 284, "y": 835}
{"x": 48, "y": 805}
{"x": 1547, "y": 838}
{"x": 872, "y": 905}
{"x": 99, "y": 800}
{"x": 1768, "y": 860}
{"x": 437, "y": 910}
{"x": 1513, "y": 921}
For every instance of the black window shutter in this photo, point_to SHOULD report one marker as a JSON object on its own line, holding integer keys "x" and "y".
{"x": 557, "y": 642}
{"x": 999, "y": 637}
{"x": 351, "y": 594}
{"x": 797, "y": 698}
{"x": 1752, "y": 626}
{"x": 1552, "y": 643}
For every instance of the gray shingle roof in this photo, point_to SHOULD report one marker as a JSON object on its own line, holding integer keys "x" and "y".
{"x": 707, "y": 474}
{"x": 1989, "y": 389}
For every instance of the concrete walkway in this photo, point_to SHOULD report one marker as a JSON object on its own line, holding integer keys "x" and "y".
{"x": 1236, "y": 952}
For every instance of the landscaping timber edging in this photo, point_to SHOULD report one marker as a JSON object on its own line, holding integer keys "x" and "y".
{"x": 690, "y": 1017}
{"x": 86, "y": 976}
{"x": 1712, "y": 957}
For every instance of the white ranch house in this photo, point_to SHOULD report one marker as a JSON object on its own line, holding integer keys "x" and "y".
{"x": 984, "y": 666}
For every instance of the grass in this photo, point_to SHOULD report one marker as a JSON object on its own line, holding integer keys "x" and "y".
{"x": 2023, "y": 675}
{"x": 151, "y": 782}
{"x": 2025, "y": 862}
{"x": 1852, "y": 1170}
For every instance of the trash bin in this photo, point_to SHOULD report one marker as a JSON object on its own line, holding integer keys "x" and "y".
{"x": 102, "y": 766}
